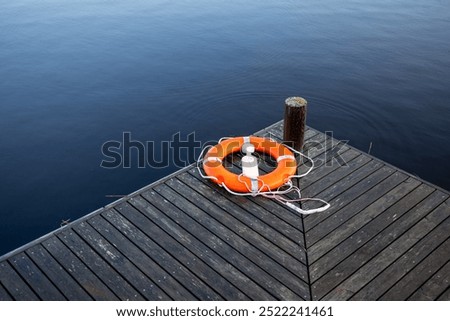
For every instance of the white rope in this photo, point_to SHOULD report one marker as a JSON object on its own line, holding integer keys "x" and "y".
{"x": 279, "y": 192}
{"x": 200, "y": 161}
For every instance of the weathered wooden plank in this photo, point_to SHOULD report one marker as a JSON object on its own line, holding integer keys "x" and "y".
{"x": 128, "y": 264}
{"x": 262, "y": 206}
{"x": 175, "y": 223}
{"x": 328, "y": 162}
{"x": 256, "y": 218}
{"x": 316, "y": 183}
{"x": 412, "y": 281}
{"x": 404, "y": 264}
{"x": 78, "y": 270}
{"x": 445, "y": 296}
{"x": 340, "y": 179}
{"x": 274, "y": 125}
{"x": 172, "y": 266}
{"x": 417, "y": 276}
{"x": 199, "y": 225}
{"x": 346, "y": 188}
{"x": 57, "y": 274}
{"x": 343, "y": 223}
{"x": 15, "y": 285}
{"x": 148, "y": 265}
{"x": 186, "y": 257}
{"x": 332, "y": 156}
{"x": 365, "y": 253}
{"x": 387, "y": 256}
{"x": 103, "y": 270}
{"x": 244, "y": 225}
{"x": 378, "y": 215}
{"x": 330, "y": 153}
{"x": 320, "y": 145}
{"x": 276, "y": 132}
{"x": 316, "y": 143}
{"x": 434, "y": 286}
{"x": 353, "y": 200}
{"x": 250, "y": 259}
{"x": 35, "y": 278}
{"x": 4, "y": 295}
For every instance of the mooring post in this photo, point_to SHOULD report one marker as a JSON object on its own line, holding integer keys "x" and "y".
{"x": 294, "y": 125}
{"x": 294, "y": 122}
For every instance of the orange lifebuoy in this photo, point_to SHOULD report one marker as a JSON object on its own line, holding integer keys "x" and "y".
{"x": 286, "y": 164}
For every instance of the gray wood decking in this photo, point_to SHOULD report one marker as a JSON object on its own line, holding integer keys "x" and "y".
{"x": 386, "y": 237}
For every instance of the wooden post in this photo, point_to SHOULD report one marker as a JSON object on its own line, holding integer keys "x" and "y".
{"x": 294, "y": 122}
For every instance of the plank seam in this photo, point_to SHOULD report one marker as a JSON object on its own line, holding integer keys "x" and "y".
{"x": 347, "y": 188}
{"x": 161, "y": 245}
{"x": 238, "y": 251}
{"x": 238, "y": 286}
{"x": 359, "y": 229}
{"x": 431, "y": 276}
{"x": 360, "y": 209}
{"x": 132, "y": 262}
{"x": 168, "y": 253}
{"x": 423, "y": 259}
{"x": 182, "y": 245}
{"x": 257, "y": 218}
{"x": 23, "y": 279}
{"x": 381, "y": 250}
{"x": 7, "y": 291}
{"x": 443, "y": 292}
{"x": 45, "y": 275}
{"x": 63, "y": 268}
{"x": 82, "y": 262}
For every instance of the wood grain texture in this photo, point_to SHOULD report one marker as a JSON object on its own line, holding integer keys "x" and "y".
{"x": 4, "y": 295}
{"x": 178, "y": 250}
{"x": 172, "y": 224}
{"x": 167, "y": 262}
{"x": 70, "y": 288}
{"x": 78, "y": 270}
{"x": 437, "y": 284}
{"x": 15, "y": 285}
{"x": 36, "y": 279}
{"x": 445, "y": 296}
{"x": 104, "y": 271}
{"x": 249, "y": 259}
{"x": 381, "y": 260}
{"x": 376, "y": 217}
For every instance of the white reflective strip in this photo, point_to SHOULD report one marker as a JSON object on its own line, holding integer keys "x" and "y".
{"x": 280, "y": 158}
{"x": 254, "y": 185}
{"x": 212, "y": 159}
{"x": 246, "y": 139}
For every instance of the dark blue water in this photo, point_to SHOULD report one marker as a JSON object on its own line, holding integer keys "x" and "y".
{"x": 75, "y": 74}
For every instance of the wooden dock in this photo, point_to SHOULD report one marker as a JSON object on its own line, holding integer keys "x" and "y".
{"x": 386, "y": 237}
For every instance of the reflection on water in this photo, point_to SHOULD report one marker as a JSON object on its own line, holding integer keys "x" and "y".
{"x": 75, "y": 74}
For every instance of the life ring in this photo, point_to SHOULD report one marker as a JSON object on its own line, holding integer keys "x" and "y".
{"x": 286, "y": 165}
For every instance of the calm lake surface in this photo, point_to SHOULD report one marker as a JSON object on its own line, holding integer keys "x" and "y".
{"x": 76, "y": 74}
